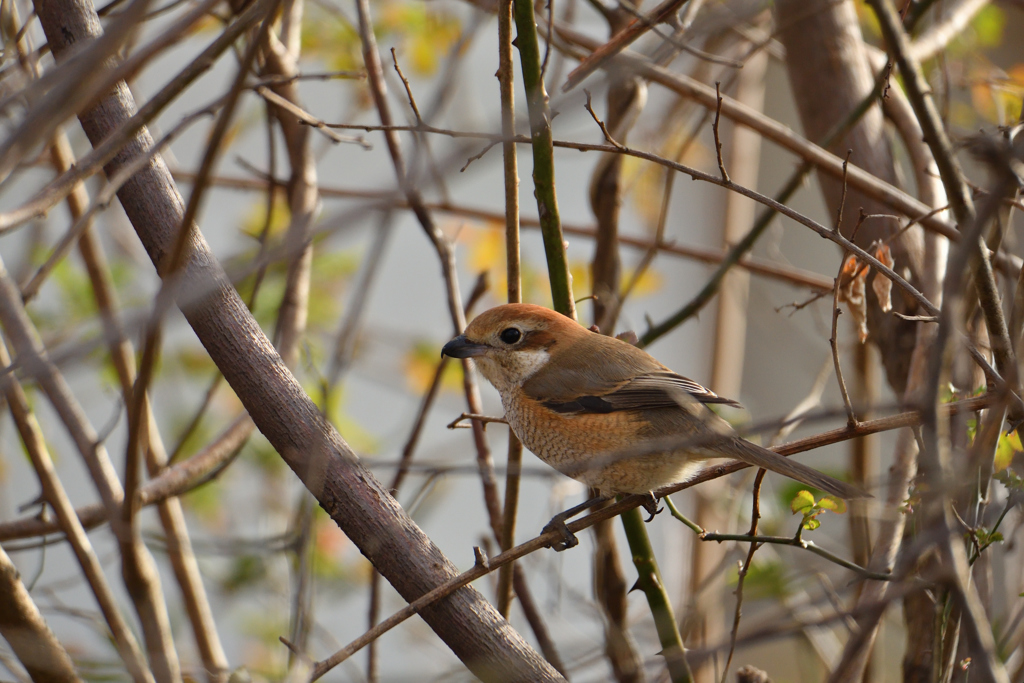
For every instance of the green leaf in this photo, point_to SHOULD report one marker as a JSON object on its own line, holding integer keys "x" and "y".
{"x": 988, "y": 26}
{"x": 832, "y": 504}
{"x": 811, "y": 523}
{"x": 246, "y": 570}
{"x": 787, "y": 488}
{"x": 986, "y": 538}
{"x": 802, "y": 503}
{"x": 1010, "y": 479}
{"x": 764, "y": 580}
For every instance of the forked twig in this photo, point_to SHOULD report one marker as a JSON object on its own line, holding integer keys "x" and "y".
{"x": 484, "y": 419}
{"x": 604, "y": 129}
{"x": 833, "y": 341}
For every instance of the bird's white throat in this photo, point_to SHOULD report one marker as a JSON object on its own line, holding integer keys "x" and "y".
{"x": 509, "y": 370}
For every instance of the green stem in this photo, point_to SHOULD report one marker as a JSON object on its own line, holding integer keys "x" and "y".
{"x": 995, "y": 527}
{"x": 674, "y": 511}
{"x": 543, "y": 159}
{"x": 649, "y": 581}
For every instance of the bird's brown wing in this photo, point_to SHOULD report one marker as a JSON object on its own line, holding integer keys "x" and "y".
{"x": 667, "y": 390}
{"x": 669, "y": 401}
{"x": 661, "y": 389}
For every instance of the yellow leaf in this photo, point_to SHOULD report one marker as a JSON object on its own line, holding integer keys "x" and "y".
{"x": 421, "y": 364}
{"x": 424, "y": 54}
{"x": 486, "y": 248}
{"x": 580, "y": 273}
{"x": 996, "y": 94}
{"x": 255, "y": 219}
{"x": 646, "y": 183}
{"x": 650, "y": 282}
{"x": 1009, "y": 445}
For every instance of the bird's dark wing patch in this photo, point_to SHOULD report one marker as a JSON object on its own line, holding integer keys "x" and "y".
{"x": 649, "y": 391}
{"x": 584, "y": 404}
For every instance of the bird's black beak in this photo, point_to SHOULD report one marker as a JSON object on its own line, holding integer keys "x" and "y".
{"x": 460, "y": 347}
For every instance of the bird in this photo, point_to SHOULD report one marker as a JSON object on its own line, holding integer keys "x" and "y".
{"x": 606, "y": 412}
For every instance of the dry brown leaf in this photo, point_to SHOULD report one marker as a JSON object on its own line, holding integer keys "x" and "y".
{"x": 852, "y": 290}
{"x": 881, "y": 284}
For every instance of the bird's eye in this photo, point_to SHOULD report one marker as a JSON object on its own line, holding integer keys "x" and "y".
{"x": 510, "y": 335}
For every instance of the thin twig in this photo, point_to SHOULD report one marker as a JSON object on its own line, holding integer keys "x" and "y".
{"x": 755, "y": 516}
{"x": 84, "y": 219}
{"x": 604, "y": 129}
{"x": 185, "y": 476}
{"x": 172, "y": 264}
{"x": 445, "y": 254}
{"x": 485, "y": 419}
{"x": 308, "y": 119}
{"x": 657, "y": 243}
{"x": 620, "y": 41}
{"x": 513, "y": 277}
{"x": 408, "y": 89}
{"x": 789, "y": 274}
{"x": 957, "y": 190}
{"x": 172, "y": 520}
{"x": 714, "y": 129}
{"x": 800, "y": 305}
{"x": 851, "y": 416}
{"x": 916, "y": 318}
{"x": 798, "y": 542}
{"x": 405, "y": 461}
{"x": 101, "y": 154}
{"x": 56, "y": 496}
{"x": 673, "y": 40}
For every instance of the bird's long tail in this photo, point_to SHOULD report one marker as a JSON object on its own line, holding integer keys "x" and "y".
{"x": 762, "y": 457}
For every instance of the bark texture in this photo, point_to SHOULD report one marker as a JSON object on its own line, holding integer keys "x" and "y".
{"x": 31, "y": 640}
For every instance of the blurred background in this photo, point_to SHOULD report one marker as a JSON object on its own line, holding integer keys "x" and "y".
{"x": 378, "y": 316}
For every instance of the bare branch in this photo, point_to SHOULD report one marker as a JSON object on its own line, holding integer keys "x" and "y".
{"x": 21, "y": 624}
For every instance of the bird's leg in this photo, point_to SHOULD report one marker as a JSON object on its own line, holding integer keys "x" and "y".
{"x": 651, "y": 505}
{"x": 557, "y": 523}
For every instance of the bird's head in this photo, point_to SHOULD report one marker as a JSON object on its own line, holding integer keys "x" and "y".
{"x": 511, "y": 343}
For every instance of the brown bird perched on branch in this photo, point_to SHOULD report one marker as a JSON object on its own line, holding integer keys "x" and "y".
{"x": 604, "y": 412}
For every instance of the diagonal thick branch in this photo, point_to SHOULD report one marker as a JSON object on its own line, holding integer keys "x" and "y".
{"x": 328, "y": 467}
